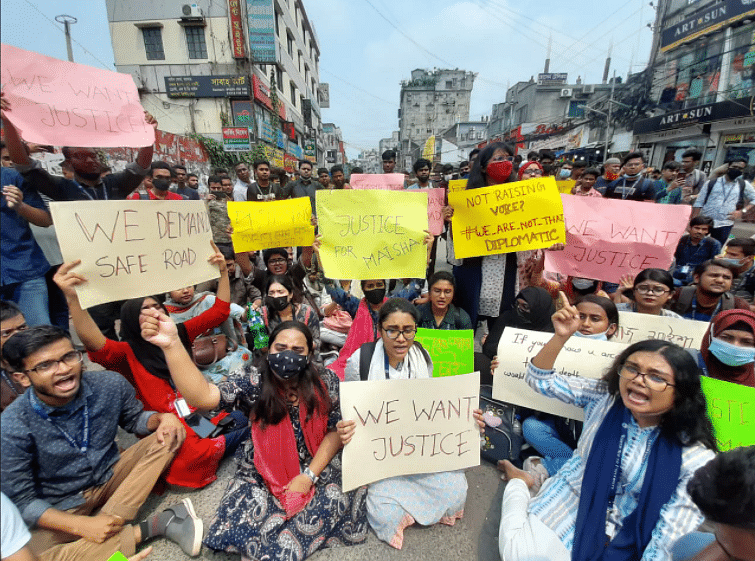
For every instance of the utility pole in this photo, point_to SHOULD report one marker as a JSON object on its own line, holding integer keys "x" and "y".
{"x": 548, "y": 55}
{"x": 67, "y": 21}
{"x": 610, "y": 112}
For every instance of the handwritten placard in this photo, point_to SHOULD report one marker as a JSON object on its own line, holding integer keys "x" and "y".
{"x": 634, "y": 327}
{"x": 372, "y": 234}
{"x": 381, "y": 181}
{"x": 506, "y": 218}
{"x": 607, "y": 238}
{"x": 67, "y": 104}
{"x": 579, "y": 357}
{"x": 262, "y": 225}
{"x": 436, "y": 199}
{"x": 565, "y": 186}
{"x": 731, "y": 408}
{"x": 452, "y": 350}
{"x": 456, "y": 185}
{"x": 134, "y": 248}
{"x": 409, "y": 426}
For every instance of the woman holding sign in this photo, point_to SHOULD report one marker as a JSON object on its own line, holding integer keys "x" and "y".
{"x": 398, "y": 502}
{"x": 646, "y": 432}
{"x": 285, "y": 501}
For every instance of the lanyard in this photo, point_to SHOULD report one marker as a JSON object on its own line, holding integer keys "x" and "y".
{"x": 387, "y": 367}
{"x": 8, "y": 381}
{"x": 694, "y": 309}
{"x": 84, "y": 191}
{"x": 85, "y": 429}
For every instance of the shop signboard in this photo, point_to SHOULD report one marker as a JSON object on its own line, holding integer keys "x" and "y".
{"x": 207, "y": 86}
{"x": 706, "y": 20}
{"x": 236, "y": 139}
{"x": 702, "y": 114}
{"x": 260, "y": 17}
{"x": 237, "y": 29}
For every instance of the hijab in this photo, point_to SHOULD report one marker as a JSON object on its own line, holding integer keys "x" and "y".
{"x": 538, "y": 318}
{"x": 150, "y": 356}
{"x": 526, "y": 165}
{"x": 744, "y": 375}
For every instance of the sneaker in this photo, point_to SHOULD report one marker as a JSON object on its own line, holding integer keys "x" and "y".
{"x": 185, "y": 528}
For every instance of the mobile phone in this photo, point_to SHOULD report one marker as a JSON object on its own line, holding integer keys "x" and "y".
{"x": 200, "y": 424}
{"x": 681, "y": 175}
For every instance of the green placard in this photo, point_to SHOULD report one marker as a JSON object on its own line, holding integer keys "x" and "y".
{"x": 118, "y": 556}
{"x": 452, "y": 350}
{"x": 731, "y": 408}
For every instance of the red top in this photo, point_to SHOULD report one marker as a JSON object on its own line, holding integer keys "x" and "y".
{"x": 171, "y": 196}
{"x": 197, "y": 460}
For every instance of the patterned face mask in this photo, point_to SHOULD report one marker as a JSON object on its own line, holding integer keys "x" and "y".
{"x": 287, "y": 364}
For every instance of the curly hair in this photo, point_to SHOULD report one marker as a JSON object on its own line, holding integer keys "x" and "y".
{"x": 687, "y": 421}
{"x": 724, "y": 488}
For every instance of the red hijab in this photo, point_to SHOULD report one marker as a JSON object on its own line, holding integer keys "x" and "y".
{"x": 525, "y": 165}
{"x": 744, "y": 375}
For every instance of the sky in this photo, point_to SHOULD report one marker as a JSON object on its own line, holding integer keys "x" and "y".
{"x": 369, "y": 46}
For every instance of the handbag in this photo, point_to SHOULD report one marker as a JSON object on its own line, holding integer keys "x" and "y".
{"x": 503, "y": 433}
{"x": 339, "y": 321}
{"x": 209, "y": 348}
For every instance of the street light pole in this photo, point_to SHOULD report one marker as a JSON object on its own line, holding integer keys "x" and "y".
{"x": 67, "y": 21}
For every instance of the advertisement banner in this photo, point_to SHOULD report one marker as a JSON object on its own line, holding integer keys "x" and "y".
{"x": 237, "y": 29}
{"x": 236, "y": 139}
{"x": 260, "y": 17}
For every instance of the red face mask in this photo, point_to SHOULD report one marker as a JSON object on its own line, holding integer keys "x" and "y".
{"x": 499, "y": 172}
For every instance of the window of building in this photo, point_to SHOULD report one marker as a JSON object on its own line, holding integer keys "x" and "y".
{"x": 195, "y": 41}
{"x": 741, "y": 81}
{"x": 153, "y": 43}
{"x": 290, "y": 43}
{"x": 577, "y": 108}
{"x": 279, "y": 79}
{"x": 277, "y": 26}
{"x": 292, "y": 87}
{"x": 449, "y": 84}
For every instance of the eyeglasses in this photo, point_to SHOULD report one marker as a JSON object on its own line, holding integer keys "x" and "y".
{"x": 538, "y": 172}
{"x": 5, "y": 333}
{"x": 276, "y": 261}
{"x": 51, "y": 366}
{"x": 407, "y": 333}
{"x": 655, "y": 290}
{"x": 652, "y": 381}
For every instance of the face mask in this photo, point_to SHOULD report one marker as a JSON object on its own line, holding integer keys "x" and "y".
{"x": 582, "y": 284}
{"x": 522, "y": 315}
{"x": 731, "y": 355}
{"x": 635, "y": 176}
{"x": 596, "y": 336}
{"x": 611, "y": 176}
{"x": 287, "y": 364}
{"x": 733, "y": 173}
{"x": 732, "y": 262}
{"x": 447, "y": 177}
{"x": 564, "y": 174}
{"x": 277, "y": 303}
{"x": 375, "y": 296}
{"x": 161, "y": 184}
{"x": 498, "y": 172}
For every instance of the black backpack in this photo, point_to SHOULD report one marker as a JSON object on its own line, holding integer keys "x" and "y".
{"x": 740, "y": 202}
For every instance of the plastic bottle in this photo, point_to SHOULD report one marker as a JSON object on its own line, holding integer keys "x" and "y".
{"x": 257, "y": 329}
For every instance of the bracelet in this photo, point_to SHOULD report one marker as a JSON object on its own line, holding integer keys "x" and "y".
{"x": 309, "y": 473}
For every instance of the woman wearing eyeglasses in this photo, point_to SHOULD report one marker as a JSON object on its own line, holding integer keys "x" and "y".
{"x": 398, "y": 502}
{"x": 622, "y": 495}
{"x": 651, "y": 290}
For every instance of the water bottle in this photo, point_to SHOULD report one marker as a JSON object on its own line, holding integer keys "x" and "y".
{"x": 516, "y": 426}
{"x": 257, "y": 329}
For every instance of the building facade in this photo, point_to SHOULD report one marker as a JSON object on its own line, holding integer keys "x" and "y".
{"x": 333, "y": 143}
{"x": 204, "y": 65}
{"x": 369, "y": 161}
{"x": 703, "y": 65}
{"x": 431, "y": 102}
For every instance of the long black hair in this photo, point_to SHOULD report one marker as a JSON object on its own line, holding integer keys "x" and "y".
{"x": 687, "y": 421}
{"x": 271, "y": 407}
{"x": 477, "y": 177}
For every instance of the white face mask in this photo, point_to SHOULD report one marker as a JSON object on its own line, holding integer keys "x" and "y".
{"x": 597, "y": 336}
{"x": 447, "y": 177}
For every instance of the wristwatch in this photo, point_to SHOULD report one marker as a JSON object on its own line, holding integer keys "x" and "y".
{"x": 311, "y": 474}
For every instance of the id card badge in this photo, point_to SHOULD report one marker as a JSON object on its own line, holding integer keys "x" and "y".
{"x": 686, "y": 269}
{"x": 181, "y": 407}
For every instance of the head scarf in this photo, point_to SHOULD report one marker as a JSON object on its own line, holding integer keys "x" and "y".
{"x": 538, "y": 318}
{"x": 744, "y": 375}
{"x": 150, "y": 356}
{"x": 526, "y": 165}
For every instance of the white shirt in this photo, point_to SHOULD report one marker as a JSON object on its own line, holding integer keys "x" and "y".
{"x": 239, "y": 190}
{"x": 13, "y": 531}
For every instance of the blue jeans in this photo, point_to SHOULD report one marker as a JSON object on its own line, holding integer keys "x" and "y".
{"x": 721, "y": 234}
{"x": 234, "y": 438}
{"x": 31, "y": 297}
{"x": 542, "y": 435}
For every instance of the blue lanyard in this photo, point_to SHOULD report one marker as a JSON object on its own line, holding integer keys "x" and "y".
{"x": 84, "y": 191}
{"x": 85, "y": 429}
{"x": 8, "y": 381}
{"x": 387, "y": 366}
{"x": 708, "y": 318}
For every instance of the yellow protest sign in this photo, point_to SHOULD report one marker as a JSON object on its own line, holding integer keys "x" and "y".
{"x": 135, "y": 248}
{"x": 372, "y": 234}
{"x": 456, "y": 185}
{"x": 566, "y": 186}
{"x": 505, "y": 218}
{"x": 262, "y": 225}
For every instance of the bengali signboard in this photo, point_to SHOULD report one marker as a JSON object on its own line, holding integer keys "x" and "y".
{"x": 207, "y": 86}
{"x": 237, "y": 29}
{"x": 236, "y": 139}
{"x": 260, "y": 18}
{"x": 243, "y": 113}
{"x": 552, "y": 78}
{"x": 262, "y": 94}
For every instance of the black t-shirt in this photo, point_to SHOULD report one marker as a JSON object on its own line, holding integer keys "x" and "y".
{"x": 638, "y": 190}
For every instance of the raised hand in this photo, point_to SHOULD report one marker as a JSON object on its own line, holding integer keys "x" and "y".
{"x": 566, "y": 320}
{"x": 66, "y": 279}
{"x": 158, "y": 328}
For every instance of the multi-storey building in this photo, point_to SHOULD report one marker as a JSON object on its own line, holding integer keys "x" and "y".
{"x": 203, "y": 65}
{"x": 431, "y": 102}
{"x": 333, "y": 143}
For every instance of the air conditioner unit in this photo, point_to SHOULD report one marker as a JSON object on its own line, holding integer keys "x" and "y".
{"x": 588, "y": 89}
{"x": 191, "y": 11}
{"x": 566, "y": 92}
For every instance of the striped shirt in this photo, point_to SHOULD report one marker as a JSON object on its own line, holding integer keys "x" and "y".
{"x": 558, "y": 501}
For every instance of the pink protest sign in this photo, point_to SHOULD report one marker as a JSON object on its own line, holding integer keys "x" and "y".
{"x": 436, "y": 199}
{"x": 608, "y": 238}
{"x": 384, "y": 181}
{"x": 66, "y": 104}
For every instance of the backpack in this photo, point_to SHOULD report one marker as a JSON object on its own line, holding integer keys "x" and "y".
{"x": 740, "y": 201}
{"x": 366, "y": 352}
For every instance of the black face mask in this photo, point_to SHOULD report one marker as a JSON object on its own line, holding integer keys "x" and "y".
{"x": 287, "y": 364}
{"x": 161, "y": 184}
{"x": 277, "y": 303}
{"x": 375, "y": 296}
{"x": 733, "y": 173}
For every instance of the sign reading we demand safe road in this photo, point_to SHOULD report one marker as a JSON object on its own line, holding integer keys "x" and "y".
{"x": 134, "y": 248}
{"x": 507, "y": 218}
